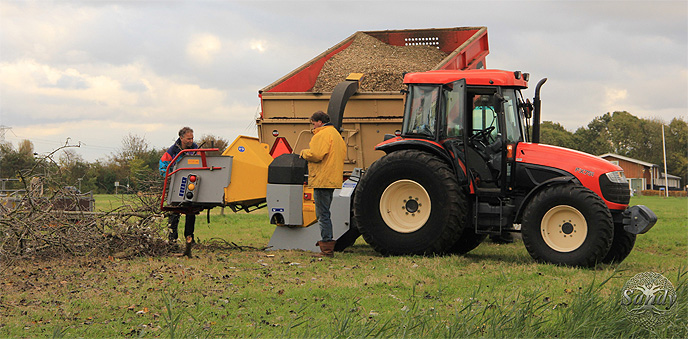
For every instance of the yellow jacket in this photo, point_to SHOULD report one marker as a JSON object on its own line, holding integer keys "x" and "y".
{"x": 325, "y": 158}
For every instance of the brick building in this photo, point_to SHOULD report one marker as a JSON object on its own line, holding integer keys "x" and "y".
{"x": 643, "y": 175}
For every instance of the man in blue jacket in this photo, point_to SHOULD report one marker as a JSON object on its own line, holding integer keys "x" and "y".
{"x": 185, "y": 141}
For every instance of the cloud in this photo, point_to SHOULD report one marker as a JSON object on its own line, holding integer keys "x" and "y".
{"x": 49, "y": 86}
{"x": 203, "y": 48}
{"x": 130, "y": 91}
{"x": 36, "y": 31}
{"x": 614, "y": 96}
{"x": 258, "y": 45}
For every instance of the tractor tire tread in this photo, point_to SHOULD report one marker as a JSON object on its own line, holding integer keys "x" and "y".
{"x": 621, "y": 247}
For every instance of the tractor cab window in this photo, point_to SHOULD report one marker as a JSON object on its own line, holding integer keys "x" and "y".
{"x": 484, "y": 120}
{"x": 453, "y": 101}
{"x": 485, "y": 123}
{"x": 421, "y": 110}
{"x": 483, "y": 154}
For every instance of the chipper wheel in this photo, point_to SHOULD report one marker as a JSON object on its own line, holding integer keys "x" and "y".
{"x": 567, "y": 225}
{"x": 409, "y": 202}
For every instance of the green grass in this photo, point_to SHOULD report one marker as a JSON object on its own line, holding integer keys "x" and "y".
{"x": 494, "y": 291}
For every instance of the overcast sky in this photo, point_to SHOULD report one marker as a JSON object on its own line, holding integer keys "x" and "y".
{"x": 96, "y": 71}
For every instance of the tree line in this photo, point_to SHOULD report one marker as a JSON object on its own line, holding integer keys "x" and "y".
{"x": 135, "y": 164}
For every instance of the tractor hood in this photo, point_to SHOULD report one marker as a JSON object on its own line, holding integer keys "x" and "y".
{"x": 578, "y": 163}
{"x": 585, "y": 167}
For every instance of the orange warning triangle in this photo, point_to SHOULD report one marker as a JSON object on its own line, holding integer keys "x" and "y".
{"x": 281, "y": 146}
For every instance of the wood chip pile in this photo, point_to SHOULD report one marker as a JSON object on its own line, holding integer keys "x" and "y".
{"x": 382, "y": 64}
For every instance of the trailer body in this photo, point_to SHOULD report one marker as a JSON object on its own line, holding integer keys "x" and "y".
{"x": 288, "y": 103}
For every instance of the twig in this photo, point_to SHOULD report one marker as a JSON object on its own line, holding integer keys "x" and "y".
{"x": 214, "y": 241}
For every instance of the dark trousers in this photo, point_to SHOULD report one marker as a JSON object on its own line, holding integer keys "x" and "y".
{"x": 188, "y": 225}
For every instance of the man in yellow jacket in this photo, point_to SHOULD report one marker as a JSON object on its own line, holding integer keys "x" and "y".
{"x": 325, "y": 157}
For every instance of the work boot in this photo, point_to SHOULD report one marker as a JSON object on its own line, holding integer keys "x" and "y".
{"x": 189, "y": 244}
{"x": 326, "y": 248}
{"x": 187, "y": 249}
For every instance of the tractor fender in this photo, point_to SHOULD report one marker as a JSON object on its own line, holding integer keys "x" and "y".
{"x": 551, "y": 182}
{"x": 429, "y": 146}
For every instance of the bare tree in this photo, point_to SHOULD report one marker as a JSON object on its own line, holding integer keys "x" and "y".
{"x": 212, "y": 141}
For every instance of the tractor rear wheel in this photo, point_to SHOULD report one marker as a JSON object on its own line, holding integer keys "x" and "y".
{"x": 567, "y": 225}
{"x": 409, "y": 202}
{"x": 621, "y": 245}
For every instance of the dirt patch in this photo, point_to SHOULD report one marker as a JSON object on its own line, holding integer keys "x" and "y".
{"x": 382, "y": 64}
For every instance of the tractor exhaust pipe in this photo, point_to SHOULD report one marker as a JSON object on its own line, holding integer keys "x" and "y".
{"x": 537, "y": 106}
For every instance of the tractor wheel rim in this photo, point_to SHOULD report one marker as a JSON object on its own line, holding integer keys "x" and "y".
{"x": 564, "y": 228}
{"x": 405, "y": 206}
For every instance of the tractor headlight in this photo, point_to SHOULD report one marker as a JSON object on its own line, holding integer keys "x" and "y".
{"x": 617, "y": 177}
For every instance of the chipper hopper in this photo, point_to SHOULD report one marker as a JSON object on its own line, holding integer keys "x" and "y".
{"x": 195, "y": 181}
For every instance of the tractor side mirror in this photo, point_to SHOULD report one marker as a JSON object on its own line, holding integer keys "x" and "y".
{"x": 498, "y": 100}
{"x": 528, "y": 109}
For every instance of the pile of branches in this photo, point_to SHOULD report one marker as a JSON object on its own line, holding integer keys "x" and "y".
{"x": 57, "y": 222}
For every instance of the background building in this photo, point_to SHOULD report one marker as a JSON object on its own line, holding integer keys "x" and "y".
{"x": 643, "y": 175}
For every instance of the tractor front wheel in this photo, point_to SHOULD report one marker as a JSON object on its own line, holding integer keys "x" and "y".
{"x": 409, "y": 202}
{"x": 621, "y": 245}
{"x": 567, "y": 225}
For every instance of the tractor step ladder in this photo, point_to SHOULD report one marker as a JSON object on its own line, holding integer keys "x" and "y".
{"x": 490, "y": 218}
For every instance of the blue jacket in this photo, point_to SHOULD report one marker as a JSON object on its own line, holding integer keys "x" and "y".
{"x": 170, "y": 154}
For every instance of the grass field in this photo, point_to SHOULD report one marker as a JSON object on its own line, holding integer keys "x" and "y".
{"x": 228, "y": 291}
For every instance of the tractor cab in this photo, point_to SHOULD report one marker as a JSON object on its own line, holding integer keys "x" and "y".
{"x": 476, "y": 118}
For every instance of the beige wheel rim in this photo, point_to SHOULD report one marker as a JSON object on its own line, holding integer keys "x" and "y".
{"x": 405, "y": 206}
{"x": 564, "y": 228}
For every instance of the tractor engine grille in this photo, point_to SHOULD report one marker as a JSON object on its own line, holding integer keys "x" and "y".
{"x": 615, "y": 192}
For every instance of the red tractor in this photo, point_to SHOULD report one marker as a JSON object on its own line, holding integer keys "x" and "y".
{"x": 466, "y": 166}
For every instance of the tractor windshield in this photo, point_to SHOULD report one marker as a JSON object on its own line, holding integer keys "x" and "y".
{"x": 421, "y": 110}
